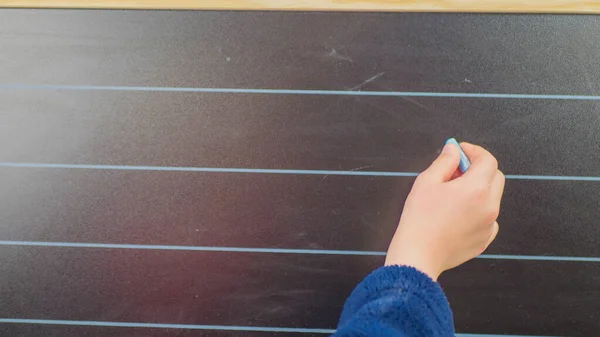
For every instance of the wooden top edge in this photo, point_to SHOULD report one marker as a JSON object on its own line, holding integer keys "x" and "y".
{"x": 489, "y": 6}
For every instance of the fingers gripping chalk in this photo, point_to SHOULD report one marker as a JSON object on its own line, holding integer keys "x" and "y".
{"x": 464, "y": 163}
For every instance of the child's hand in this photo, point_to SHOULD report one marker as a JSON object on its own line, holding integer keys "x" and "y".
{"x": 447, "y": 221}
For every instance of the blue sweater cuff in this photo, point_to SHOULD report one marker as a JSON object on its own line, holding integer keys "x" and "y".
{"x": 397, "y": 301}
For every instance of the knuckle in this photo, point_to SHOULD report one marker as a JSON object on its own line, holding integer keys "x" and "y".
{"x": 484, "y": 247}
{"x": 492, "y": 162}
{"x": 479, "y": 192}
{"x": 502, "y": 176}
{"x": 491, "y": 214}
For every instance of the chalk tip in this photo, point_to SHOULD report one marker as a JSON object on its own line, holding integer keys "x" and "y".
{"x": 452, "y": 141}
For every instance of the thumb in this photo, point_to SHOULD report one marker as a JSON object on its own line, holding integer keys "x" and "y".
{"x": 444, "y": 167}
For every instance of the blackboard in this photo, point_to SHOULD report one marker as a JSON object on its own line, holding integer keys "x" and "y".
{"x": 189, "y": 173}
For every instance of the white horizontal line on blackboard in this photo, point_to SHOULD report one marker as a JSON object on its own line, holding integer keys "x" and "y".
{"x": 268, "y": 171}
{"x": 273, "y": 250}
{"x": 199, "y": 327}
{"x": 16, "y": 86}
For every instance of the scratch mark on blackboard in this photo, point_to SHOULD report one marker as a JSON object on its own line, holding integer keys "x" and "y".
{"x": 334, "y": 54}
{"x": 362, "y": 167}
{"x": 422, "y": 106}
{"x": 354, "y": 169}
{"x": 369, "y": 80}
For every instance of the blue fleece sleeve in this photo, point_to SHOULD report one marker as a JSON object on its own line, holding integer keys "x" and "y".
{"x": 396, "y": 301}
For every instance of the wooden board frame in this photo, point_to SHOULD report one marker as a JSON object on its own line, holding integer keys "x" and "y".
{"x": 491, "y": 6}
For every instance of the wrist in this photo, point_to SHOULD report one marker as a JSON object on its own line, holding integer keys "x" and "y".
{"x": 422, "y": 265}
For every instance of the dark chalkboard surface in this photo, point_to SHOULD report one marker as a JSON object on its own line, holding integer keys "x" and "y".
{"x": 237, "y": 173}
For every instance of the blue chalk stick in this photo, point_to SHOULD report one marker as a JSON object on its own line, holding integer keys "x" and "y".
{"x": 464, "y": 163}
